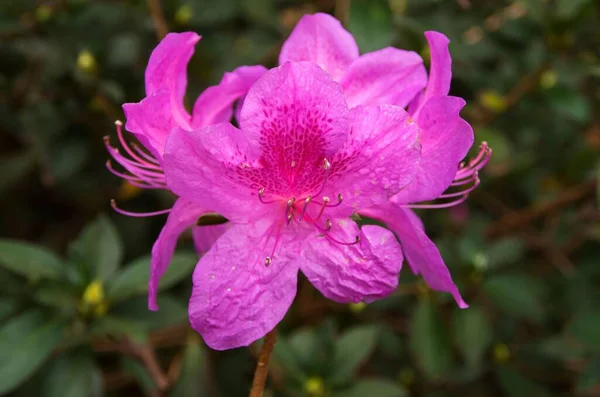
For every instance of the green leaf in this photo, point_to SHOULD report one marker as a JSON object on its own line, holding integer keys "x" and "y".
{"x": 590, "y": 375}
{"x": 284, "y": 356}
{"x": 371, "y": 24}
{"x": 29, "y": 260}
{"x": 429, "y": 340}
{"x": 25, "y": 343}
{"x": 8, "y": 307}
{"x": 16, "y": 167}
{"x": 351, "y": 350}
{"x": 472, "y": 333}
{"x": 519, "y": 296}
{"x": 192, "y": 380}
{"x": 98, "y": 249}
{"x": 133, "y": 280}
{"x": 172, "y": 312}
{"x": 516, "y": 385}
{"x": 585, "y": 328}
{"x": 374, "y": 388}
{"x": 140, "y": 373}
{"x": 73, "y": 375}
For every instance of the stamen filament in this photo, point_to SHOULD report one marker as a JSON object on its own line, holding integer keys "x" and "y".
{"x": 261, "y": 192}
{"x": 306, "y": 203}
{"x": 467, "y": 191}
{"x": 113, "y": 204}
{"x": 356, "y": 241}
{"x": 437, "y": 206}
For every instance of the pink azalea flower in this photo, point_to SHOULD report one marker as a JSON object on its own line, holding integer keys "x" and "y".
{"x": 152, "y": 120}
{"x": 288, "y": 180}
{"x": 398, "y": 77}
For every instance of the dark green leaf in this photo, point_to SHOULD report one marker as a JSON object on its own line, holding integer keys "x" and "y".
{"x": 172, "y": 312}
{"x": 284, "y": 357}
{"x": 351, "y": 350}
{"x": 516, "y": 385}
{"x": 192, "y": 380}
{"x": 7, "y": 307}
{"x": 133, "y": 280}
{"x": 371, "y": 24}
{"x": 472, "y": 333}
{"x": 25, "y": 343}
{"x": 14, "y": 168}
{"x": 374, "y": 388}
{"x": 516, "y": 295}
{"x": 585, "y": 328}
{"x": 29, "y": 260}
{"x": 98, "y": 249}
{"x": 429, "y": 340}
{"x": 73, "y": 375}
{"x": 590, "y": 376}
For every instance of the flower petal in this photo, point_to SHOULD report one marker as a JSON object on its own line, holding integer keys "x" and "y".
{"x": 151, "y": 121}
{"x": 421, "y": 253}
{"x": 353, "y": 273}
{"x": 321, "y": 39}
{"x": 440, "y": 70}
{"x": 209, "y": 166}
{"x": 388, "y": 76}
{"x": 236, "y": 299}
{"x": 206, "y": 236}
{"x": 379, "y": 158}
{"x": 183, "y": 215}
{"x": 167, "y": 70}
{"x": 295, "y": 116}
{"x": 445, "y": 139}
{"x": 215, "y": 104}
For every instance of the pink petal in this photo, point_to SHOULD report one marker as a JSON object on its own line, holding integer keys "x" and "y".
{"x": 440, "y": 70}
{"x": 215, "y": 104}
{"x": 352, "y": 273}
{"x": 445, "y": 139}
{"x": 209, "y": 166}
{"x": 151, "y": 121}
{"x": 295, "y": 116}
{"x": 206, "y": 236}
{"x": 167, "y": 69}
{"x": 420, "y": 251}
{"x": 321, "y": 39}
{"x": 183, "y": 215}
{"x": 388, "y": 76}
{"x": 236, "y": 299}
{"x": 379, "y": 158}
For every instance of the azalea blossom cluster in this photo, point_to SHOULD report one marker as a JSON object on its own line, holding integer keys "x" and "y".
{"x": 327, "y": 135}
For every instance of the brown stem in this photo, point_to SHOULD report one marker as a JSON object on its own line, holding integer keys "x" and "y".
{"x": 262, "y": 367}
{"x": 342, "y": 11}
{"x": 159, "y": 19}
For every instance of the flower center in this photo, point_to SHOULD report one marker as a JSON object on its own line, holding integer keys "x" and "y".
{"x": 308, "y": 210}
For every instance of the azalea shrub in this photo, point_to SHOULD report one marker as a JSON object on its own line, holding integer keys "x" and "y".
{"x": 399, "y": 195}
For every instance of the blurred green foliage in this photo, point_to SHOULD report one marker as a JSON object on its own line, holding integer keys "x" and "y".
{"x": 525, "y": 250}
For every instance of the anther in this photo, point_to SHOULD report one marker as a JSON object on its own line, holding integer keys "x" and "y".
{"x": 261, "y": 192}
{"x": 118, "y": 123}
{"x": 328, "y": 225}
{"x": 291, "y": 202}
{"x": 268, "y": 261}
{"x": 326, "y": 164}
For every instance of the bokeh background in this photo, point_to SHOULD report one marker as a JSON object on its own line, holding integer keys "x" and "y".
{"x": 524, "y": 249}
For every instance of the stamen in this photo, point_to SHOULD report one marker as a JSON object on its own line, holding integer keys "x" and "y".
{"x": 467, "y": 191}
{"x": 268, "y": 261}
{"x": 356, "y": 241}
{"x": 327, "y": 167}
{"x": 261, "y": 192}
{"x": 326, "y": 201}
{"x": 147, "y": 156}
{"x": 113, "y": 204}
{"x": 306, "y": 203}
{"x": 437, "y": 206}
{"x": 482, "y": 158}
{"x": 469, "y": 179}
{"x": 155, "y": 181}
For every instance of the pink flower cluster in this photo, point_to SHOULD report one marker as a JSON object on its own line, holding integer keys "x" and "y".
{"x": 327, "y": 134}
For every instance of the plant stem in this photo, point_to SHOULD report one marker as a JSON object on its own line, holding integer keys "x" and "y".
{"x": 262, "y": 367}
{"x": 159, "y": 19}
